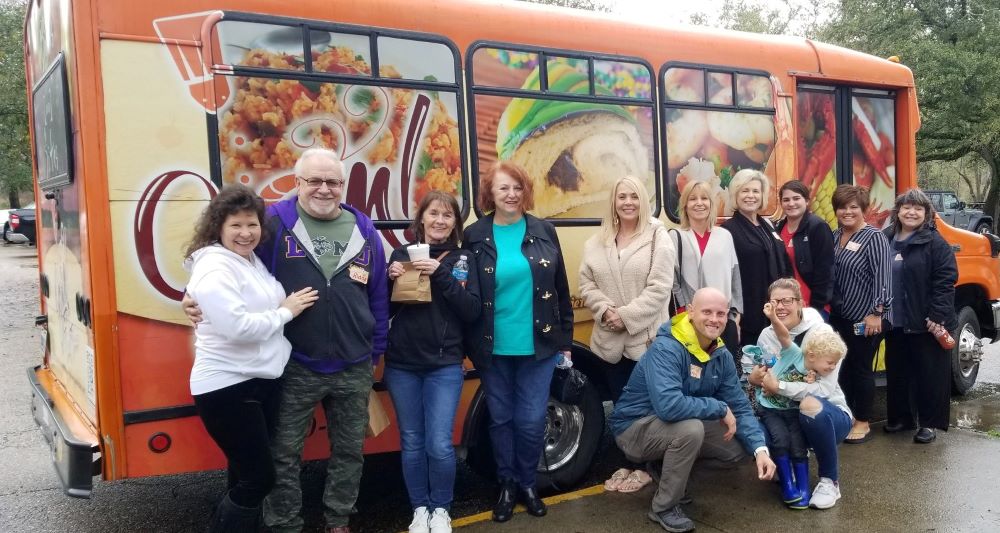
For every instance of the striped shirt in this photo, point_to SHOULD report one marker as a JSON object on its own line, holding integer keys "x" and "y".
{"x": 861, "y": 273}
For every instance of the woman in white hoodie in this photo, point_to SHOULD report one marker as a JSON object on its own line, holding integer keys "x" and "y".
{"x": 626, "y": 276}
{"x": 240, "y": 348}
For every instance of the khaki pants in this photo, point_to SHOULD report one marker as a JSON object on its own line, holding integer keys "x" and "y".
{"x": 678, "y": 444}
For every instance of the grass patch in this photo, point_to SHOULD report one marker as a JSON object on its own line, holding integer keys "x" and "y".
{"x": 995, "y": 433}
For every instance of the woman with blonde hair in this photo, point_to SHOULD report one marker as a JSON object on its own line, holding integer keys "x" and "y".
{"x": 706, "y": 256}
{"x": 760, "y": 250}
{"x": 626, "y": 275}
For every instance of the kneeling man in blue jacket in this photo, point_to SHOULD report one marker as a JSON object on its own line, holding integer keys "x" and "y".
{"x": 684, "y": 402}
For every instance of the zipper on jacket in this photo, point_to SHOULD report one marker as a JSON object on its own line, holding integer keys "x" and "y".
{"x": 443, "y": 336}
{"x": 329, "y": 315}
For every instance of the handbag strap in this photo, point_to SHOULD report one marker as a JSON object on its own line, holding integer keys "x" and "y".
{"x": 444, "y": 253}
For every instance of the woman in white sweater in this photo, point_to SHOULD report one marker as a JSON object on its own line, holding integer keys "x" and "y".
{"x": 625, "y": 279}
{"x": 706, "y": 257}
{"x": 240, "y": 347}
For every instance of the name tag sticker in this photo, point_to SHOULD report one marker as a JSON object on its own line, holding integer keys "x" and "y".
{"x": 358, "y": 274}
{"x": 695, "y": 371}
{"x": 899, "y": 257}
{"x": 853, "y": 246}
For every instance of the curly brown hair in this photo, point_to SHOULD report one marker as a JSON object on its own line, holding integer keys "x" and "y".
{"x": 232, "y": 199}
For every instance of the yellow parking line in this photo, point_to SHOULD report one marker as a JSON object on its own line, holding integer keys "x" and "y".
{"x": 551, "y": 500}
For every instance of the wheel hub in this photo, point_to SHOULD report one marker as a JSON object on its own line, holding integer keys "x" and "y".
{"x": 970, "y": 349}
{"x": 563, "y": 429}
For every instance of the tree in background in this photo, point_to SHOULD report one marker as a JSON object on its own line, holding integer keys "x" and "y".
{"x": 952, "y": 48}
{"x": 785, "y": 17}
{"x": 15, "y": 148}
{"x": 591, "y": 5}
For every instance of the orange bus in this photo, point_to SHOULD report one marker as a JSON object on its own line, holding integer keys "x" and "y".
{"x": 141, "y": 111}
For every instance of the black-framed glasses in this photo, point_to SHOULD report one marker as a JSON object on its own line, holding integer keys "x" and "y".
{"x": 784, "y": 301}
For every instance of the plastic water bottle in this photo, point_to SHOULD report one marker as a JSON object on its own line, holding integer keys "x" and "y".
{"x": 564, "y": 363}
{"x": 461, "y": 270}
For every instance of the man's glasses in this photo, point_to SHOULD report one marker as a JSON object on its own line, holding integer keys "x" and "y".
{"x": 316, "y": 183}
{"x": 787, "y": 302}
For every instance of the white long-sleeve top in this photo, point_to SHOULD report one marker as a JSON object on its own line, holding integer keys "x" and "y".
{"x": 241, "y": 335}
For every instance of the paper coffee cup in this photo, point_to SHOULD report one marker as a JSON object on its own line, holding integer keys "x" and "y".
{"x": 418, "y": 251}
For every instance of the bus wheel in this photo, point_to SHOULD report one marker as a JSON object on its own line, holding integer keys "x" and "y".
{"x": 572, "y": 436}
{"x": 967, "y": 353}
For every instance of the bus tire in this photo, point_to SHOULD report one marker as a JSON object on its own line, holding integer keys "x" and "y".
{"x": 572, "y": 435}
{"x": 967, "y": 353}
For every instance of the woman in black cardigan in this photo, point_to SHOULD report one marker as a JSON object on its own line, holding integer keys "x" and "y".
{"x": 918, "y": 368}
{"x": 809, "y": 245}
{"x": 759, "y": 250}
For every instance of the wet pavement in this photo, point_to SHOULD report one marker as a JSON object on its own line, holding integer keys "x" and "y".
{"x": 887, "y": 484}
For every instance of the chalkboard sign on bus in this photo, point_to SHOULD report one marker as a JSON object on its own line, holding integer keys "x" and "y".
{"x": 53, "y": 138}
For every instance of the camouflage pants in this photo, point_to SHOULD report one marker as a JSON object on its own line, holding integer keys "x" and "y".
{"x": 344, "y": 396}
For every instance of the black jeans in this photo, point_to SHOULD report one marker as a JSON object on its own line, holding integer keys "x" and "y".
{"x": 784, "y": 433}
{"x": 857, "y": 379}
{"x": 240, "y": 418}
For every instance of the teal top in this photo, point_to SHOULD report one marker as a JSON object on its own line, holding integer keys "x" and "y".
{"x": 791, "y": 367}
{"x": 513, "y": 315}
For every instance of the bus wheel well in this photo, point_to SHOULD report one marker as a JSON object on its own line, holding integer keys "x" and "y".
{"x": 974, "y": 297}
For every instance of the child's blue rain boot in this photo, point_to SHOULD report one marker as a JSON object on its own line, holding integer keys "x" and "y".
{"x": 801, "y": 469}
{"x": 789, "y": 492}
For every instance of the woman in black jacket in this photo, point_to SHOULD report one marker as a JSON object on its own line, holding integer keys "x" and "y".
{"x": 809, "y": 245}
{"x": 526, "y": 325}
{"x": 918, "y": 368}
{"x": 423, "y": 363}
{"x": 759, "y": 250}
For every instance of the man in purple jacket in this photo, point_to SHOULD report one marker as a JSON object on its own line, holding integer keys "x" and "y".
{"x": 316, "y": 241}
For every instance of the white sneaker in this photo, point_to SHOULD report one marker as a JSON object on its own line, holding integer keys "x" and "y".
{"x": 440, "y": 522}
{"x": 420, "y": 519}
{"x": 826, "y": 494}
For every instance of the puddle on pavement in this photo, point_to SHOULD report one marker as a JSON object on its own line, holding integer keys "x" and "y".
{"x": 979, "y": 410}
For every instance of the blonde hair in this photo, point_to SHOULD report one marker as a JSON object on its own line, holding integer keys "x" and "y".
{"x": 689, "y": 189}
{"x": 823, "y": 341}
{"x": 743, "y": 178}
{"x": 610, "y": 223}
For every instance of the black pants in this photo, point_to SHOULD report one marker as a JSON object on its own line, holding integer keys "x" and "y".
{"x": 733, "y": 341}
{"x": 240, "y": 419}
{"x": 784, "y": 432}
{"x": 918, "y": 375}
{"x": 617, "y": 376}
{"x": 857, "y": 378}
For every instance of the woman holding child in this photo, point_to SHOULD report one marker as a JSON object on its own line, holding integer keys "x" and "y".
{"x": 800, "y": 401}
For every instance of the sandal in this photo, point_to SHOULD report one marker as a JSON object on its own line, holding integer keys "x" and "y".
{"x": 635, "y": 482}
{"x": 863, "y": 437}
{"x": 615, "y": 481}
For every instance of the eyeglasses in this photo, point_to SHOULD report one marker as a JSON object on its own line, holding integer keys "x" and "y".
{"x": 316, "y": 183}
{"x": 787, "y": 302}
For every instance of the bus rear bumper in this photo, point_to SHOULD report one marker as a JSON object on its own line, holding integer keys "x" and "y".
{"x": 76, "y": 455}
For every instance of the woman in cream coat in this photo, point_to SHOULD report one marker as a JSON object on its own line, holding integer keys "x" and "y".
{"x": 625, "y": 280}
{"x": 706, "y": 257}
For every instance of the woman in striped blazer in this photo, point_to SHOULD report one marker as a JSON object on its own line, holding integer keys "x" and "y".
{"x": 861, "y": 296}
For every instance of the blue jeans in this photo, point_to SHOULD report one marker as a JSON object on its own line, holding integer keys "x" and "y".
{"x": 824, "y": 433}
{"x": 517, "y": 394}
{"x": 425, "y": 403}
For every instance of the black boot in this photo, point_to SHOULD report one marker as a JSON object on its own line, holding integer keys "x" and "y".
{"x": 534, "y": 504}
{"x": 232, "y": 518}
{"x": 503, "y": 510}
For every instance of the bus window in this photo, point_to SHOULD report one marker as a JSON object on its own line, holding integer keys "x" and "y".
{"x": 708, "y": 138}
{"x": 873, "y": 143}
{"x": 624, "y": 79}
{"x": 498, "y": 67}
{"x": 591, "y": 127}
{"x": 395, "y": 60}
{"x": 567, "y": 75}
{"x": 754, "y": 91}
{"x": 720, "y": 88}
{"x": 397, "y": 141}
{"x": 817, "y": 141}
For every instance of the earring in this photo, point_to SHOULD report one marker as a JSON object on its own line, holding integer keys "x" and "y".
{"x": 614, "y": 219}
